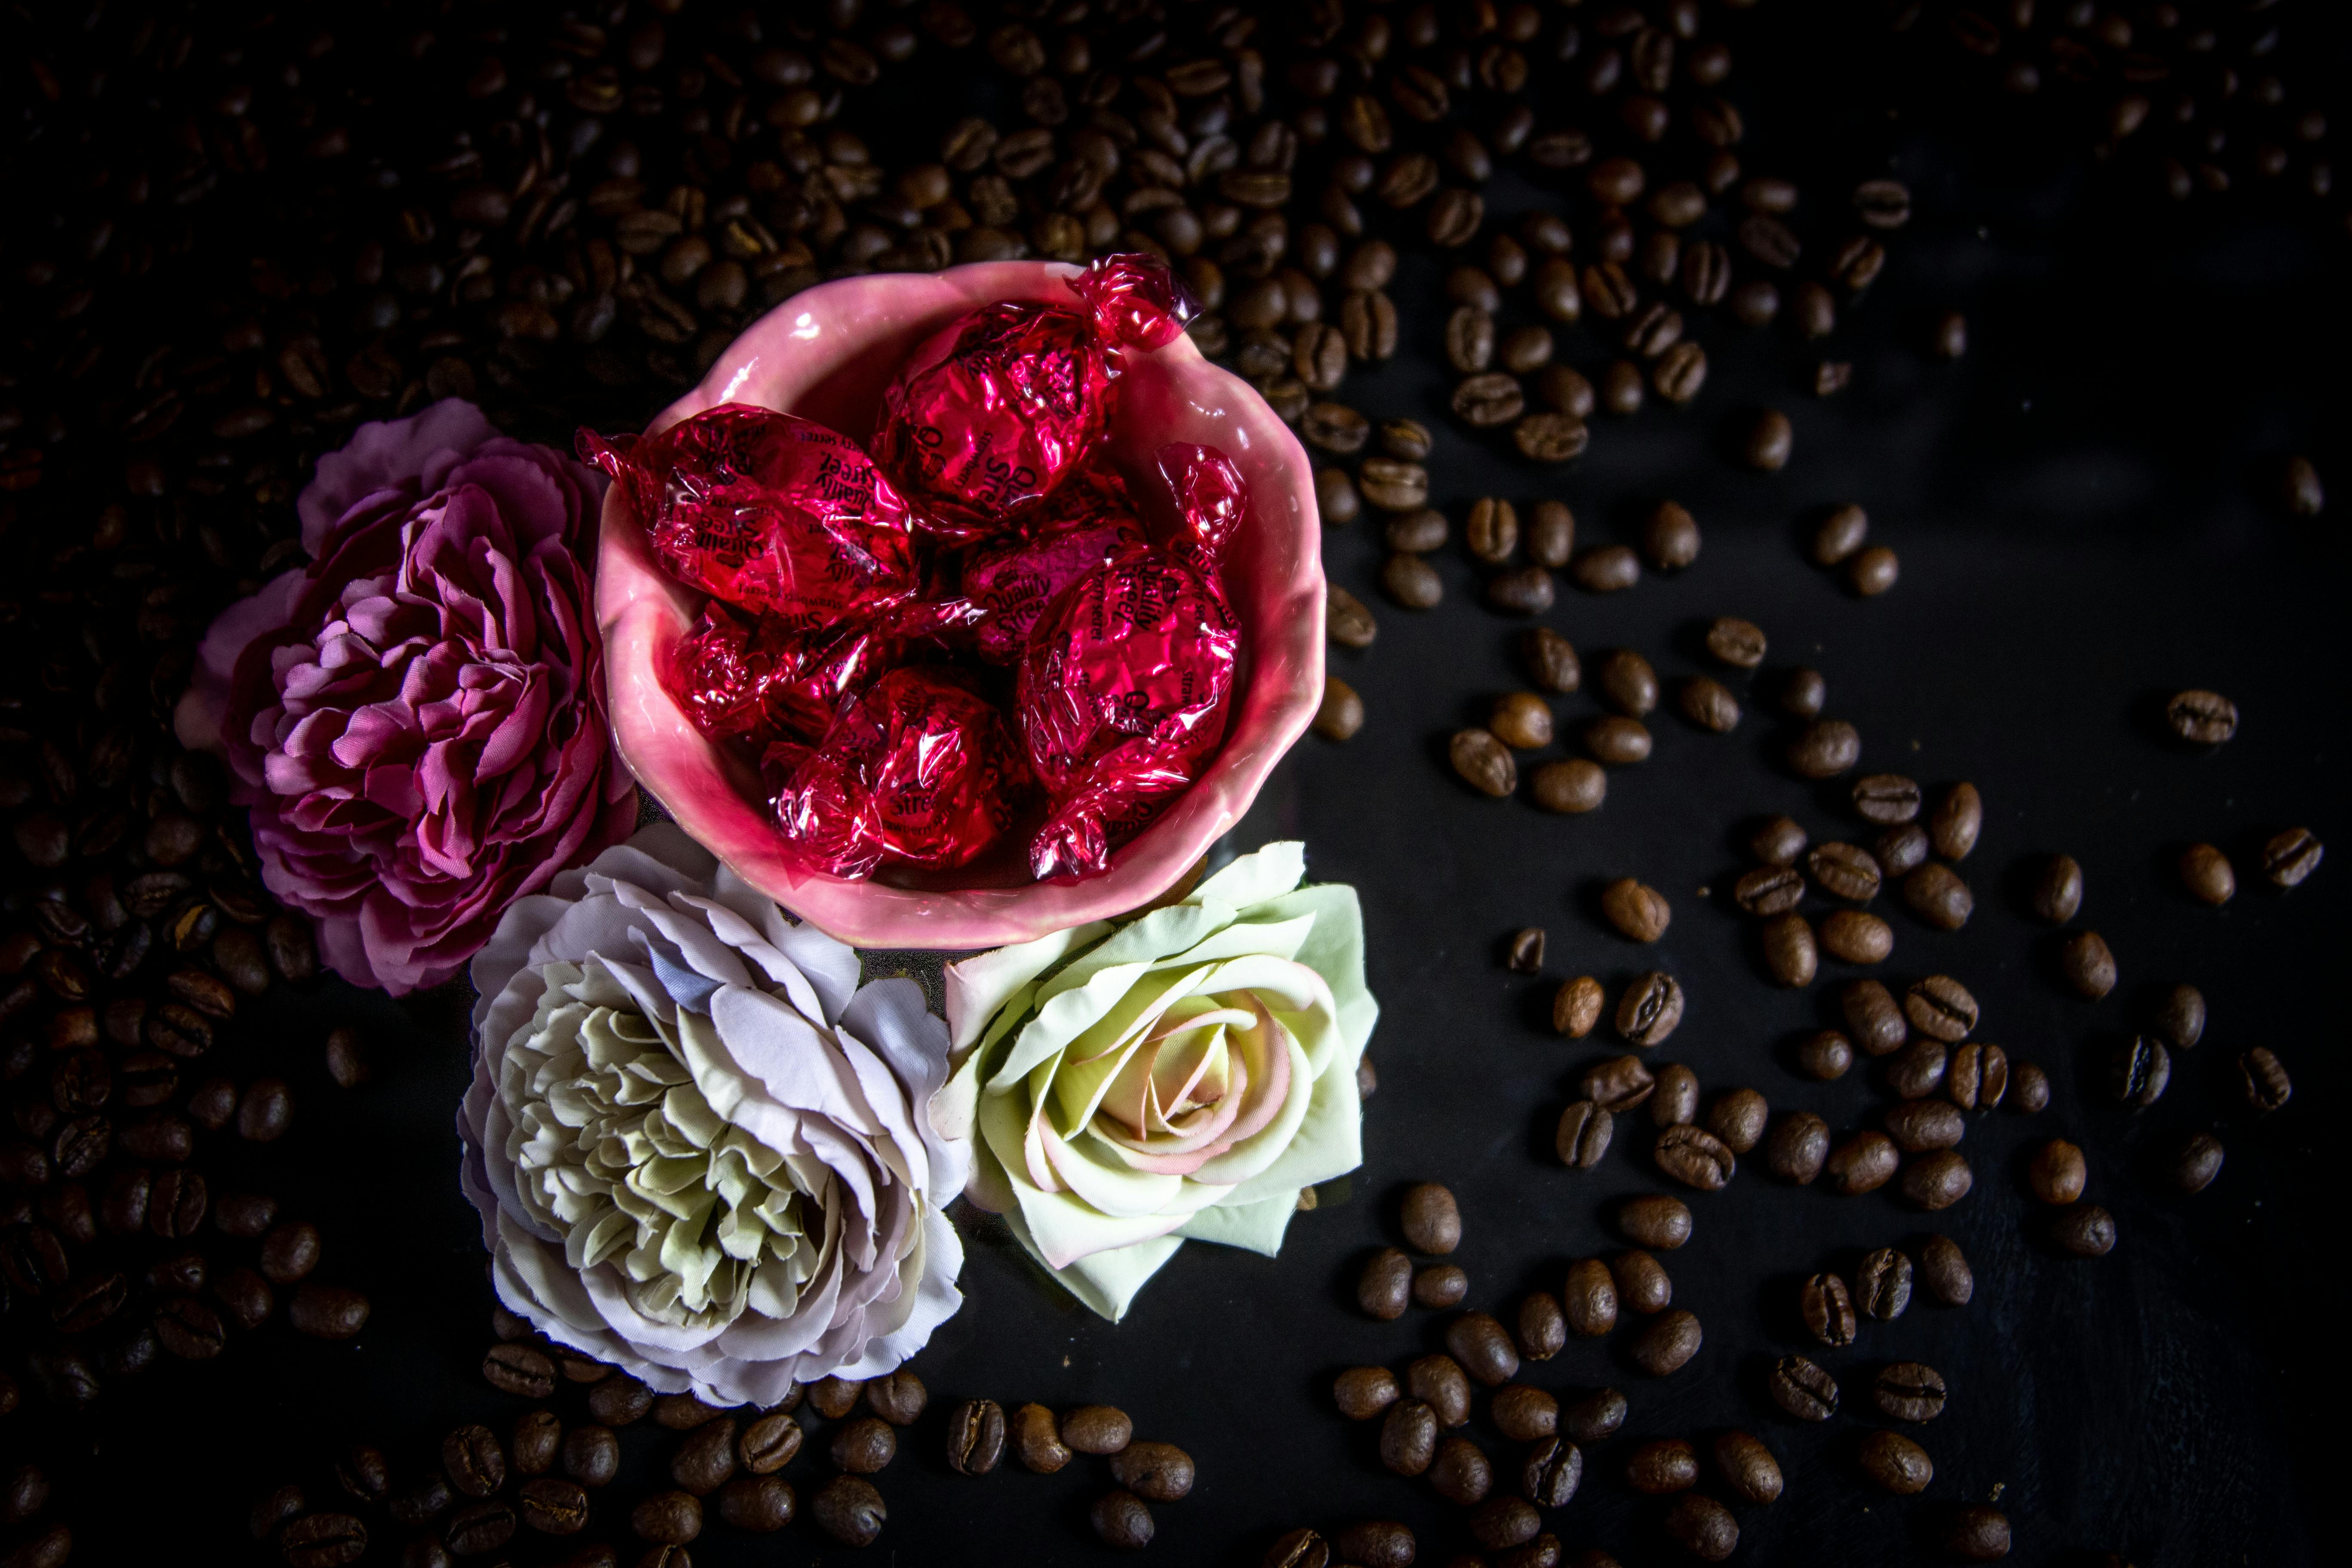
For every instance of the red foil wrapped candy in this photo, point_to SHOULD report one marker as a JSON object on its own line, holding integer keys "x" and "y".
{"x": 990, "y": 415}
{"x": 921, "y": 770}
{"x": 1126, "y": 679}
{"x": 735, "y": 676}
{"x": 1010, "y": 580}
{"x": 774, "y": 515}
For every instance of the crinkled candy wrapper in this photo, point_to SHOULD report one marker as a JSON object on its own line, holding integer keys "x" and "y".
{"x": 991, "y": 414}
{"x": 920, "y": 771}
{"x": 1126, "y": 680}
{"x": 738, "y": 677}
{"x": 772, "y": 513}
{"x": 1010, "y": 580}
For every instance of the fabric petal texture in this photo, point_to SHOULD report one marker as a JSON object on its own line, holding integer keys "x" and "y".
{"x": 1124, "y": 1087}
{"x": 416, "y": 718}
{"x": 700, "y": 1152}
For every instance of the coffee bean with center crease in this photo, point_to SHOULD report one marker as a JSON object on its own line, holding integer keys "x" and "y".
{"x": 2264, "y": 1079}
{"x": 1918, "y": 1068}
{"x": 1157, "y": 1472}
{"x": 1909, "y": 1391}
{"x": 1492, "y": 530}
{"x": 1460, "y": 1472}
{"x": 1431, "y": 1219}
{"x": 1619, "y": 1084}
{"x": 1882, "y": 1284}
{"x": 1844, "y": 871}
{"x": 1469, "y": 340}
{"x": 849, "y": 1510}
{"x": 1802, "y": 1389}
{"x": 975, "y": 1439}
{"x": 1797, "y": 1147}
{"x": 1886, "y": 798}
{"x": 1037, "y": 1435}
{"x": 514, "y": 1369}
{"x": 2088, "y": 965}
{"x": 1483, "y": 762}
{"x": 1411, "y": 582}
{"x": 1300, "y": 1548}
{"x": 1655, "y": 1221}
{"x": 313, "y": 1541}
{"x": 552, "y": 1506}
{"x": 1484, "y": 1347}
{"x": 535, "y": 1441}
{"x": 1938, "y": 1179}
{"x": 1650, "y": 1009}
{"x": 1737, "y": 643}
{"x": 1828, "y": 1309}
{"x": 1439, "y": 1381}
{"x": 2139, "y": 1072}
{"x": 2201, "y": 718}
{"x": 1409, "y": 1435}
{"x": 1583, "y": 1136}
{"x": 1668, "y": 1343}
{"x": 1863, "y": 1164}
{"x": 1791, "y": 954}
{"x": 1374, "y": 1543}
{"x": 473, "y": 1462}
{"x": 1488, "y": 400}
{"x": 1894, "y": 1463}
{"x": 479, "y": 1527}
{"x": 1941, "y": 1006}
{"x": 1824, "y": 749}
{"x": 2290, "y": 856}
{"x": 1662, "y": 1465}
{"x": 1548, "y": 1476}
{"x": 2056, "y": 892}
{"x": 1606, "y": 569}
{"x": 1694, "y": 1157}
{"x": 1334, "y": 427}
{"x": 1769, "y": 890}
{"x": 1590, "y": 1298}
{"x": 1638, "y": 912}
{"x": 189, "y": 1329}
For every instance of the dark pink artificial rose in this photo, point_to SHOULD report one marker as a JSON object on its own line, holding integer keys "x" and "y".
{"x": 416, "y": 718}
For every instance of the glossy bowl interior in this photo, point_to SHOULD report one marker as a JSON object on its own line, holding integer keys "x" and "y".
{"x": 827, "y": 354}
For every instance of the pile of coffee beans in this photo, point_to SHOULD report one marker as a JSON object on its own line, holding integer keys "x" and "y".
{"x": 980, "y": 1432}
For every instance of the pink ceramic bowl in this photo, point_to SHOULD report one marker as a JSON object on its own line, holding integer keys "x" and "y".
{"x": 827, "y": 354}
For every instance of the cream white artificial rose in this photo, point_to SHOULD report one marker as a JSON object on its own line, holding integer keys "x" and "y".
{"x": 699, "y": 1148}
{"x": 1129, "y": 1087}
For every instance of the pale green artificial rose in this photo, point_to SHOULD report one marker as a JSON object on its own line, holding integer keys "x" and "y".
{"x": 1128, "y": 1087}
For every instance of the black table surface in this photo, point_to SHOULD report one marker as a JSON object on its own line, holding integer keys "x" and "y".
{"x": 2081, "y": 510}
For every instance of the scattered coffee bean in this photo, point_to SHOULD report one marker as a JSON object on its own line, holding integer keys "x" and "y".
{"x": 1938, "y": 1179}
{"x": 1460, "y": 1472}
{"x": 1738, "y": 1119}
{"x": 1662, "y": 1465}
{"x": 1901, "y": 849}
{"x": 1618, "y": 1084}
{"x": 1618, "y": 740}
{"x": 1938, "y": 896}
{"x": 1852, "y": 936}
{"x": 1825, "y": 1054}
{"x": 1345, "y": 619}
{"x": 2088, "y": 965}
{"x": 1919, "y": 1125}
{"x": 2205, "y": 872}
{"x": 1606, "y": 569}
{"x": 1791, "y": 954}
{"x": 1037, "y": 1436}
{"x": 1431, "y": 1219}
{"x": 2194, "y": 1163}
{"x": 1642, "y": 1283}
{"x": 1702, "y": 1527}
{"x": 1674, "y": 1101}
{"x": 1551, "y": 660}
{"x": 2292, "y": 856}
{"x": 2086, "y": 1230}
{"x": 2264, "y": 1079}
{"x": 1524, "y": 1414}
{"x": 1886, "y": 798}
{"x": 1709, "y": 704}
{"x": 1894, "y": 1463}
{"x": 1374, "y": 1543}
{"x": 1670, "y": 539}
{"x": 1411, "y": 582}
{"x": 1828, "y": 1309}
{"x": 1484, "y": 1347}
{"x": 1521, "y": 721}
{"x": 1882, "y": 1284}
{"x": 1439, "y": 1381}
{"x": 1802, "y": 693}
{"x": 1824, "y": 749}
{"x": 1501, "y": 1522}
{"x": 1798, "y": 1148}
{"x": 1909, "y": 1391}
{"x": 1157, "y": 1472}
{"x": 1583, "y": 1135}
{"x": 1778, "y": 843}
{"x": 1863, "y": 1164}
{"x": 1408, "y": 1438}
{"x": 1548, "y": 1478}
{"x": 1594, "y": 1418}
{"x": 1625, "y": 680}
{"x": 515, "y": 1369}
{"x": 1492, "y": 532}
{"x": 1957, "y": 821}
{"x": 1526, "y": 950}
{"x": 1769, "y": 890}
{"x": 2202, "y": 718}
{"x": 1737, "y": 643}
{"x": 1342, "y": 713}
{"x": 1668, "y": 1343}
{"x": 2178, "y": 1017}
{"x": 1417, "y": 533}
{"x": 849, "y": 1510}
{"x": 1942, "y": 1271}
{"x": 1654, "y": 1220}
{"x": 1940, "y": 1007}
{"x": 1650, "y": 1009}
{"x": 861, "y": 1447}
{"x": 1694, "y": 1157}
{"x": 1638, "y": 912}
{"x": 1542, "y": 1327}
{"x": 1572, "y": 788}
{"x": 1768, "y": 442}
{"x": 1749, "y": 1467}
{"x": 1845, "y": 870}
{"x": 1802, "y": 1389}
{"x": 2057, "y": 889}
{"x": 1839, "y": 535}
{"x": 1483, "y": 762}
{"x": 1576, "y": 1006}
{"x": 1873, "y": 571}
{"x": 1977, "y": 1533}
{"x": 1363, "y": 1392}
{"x": 1918, "y": 1068}
{"x": 2139, "y": 1072}
{"x": 2029, "y": 1088}
{"x": 1551, "y": 527}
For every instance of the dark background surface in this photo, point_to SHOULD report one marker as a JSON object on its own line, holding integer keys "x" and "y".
{"x": 2080, "y": 506}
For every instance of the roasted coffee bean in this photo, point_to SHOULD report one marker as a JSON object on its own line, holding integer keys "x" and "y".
{"x": 1638, "y": 912}
{"x": 1909, "y": 1391}
{"x": 1798, "y": 1147}
{"x": 1411, "y": 582}
{"x": 1363, "y": 1392}
{"x": 703, "y": 1462}
{"x": 1469, "y": 340}
{"x": 2202, "y": 718}
{"x": 1618, "y": 1084}
{"x": 1918, "y": 1068}
{"x": 1590, "y": 1298}
{"x": 620, "y": 1400}
{"x": 1667, "y": 1343}
{"x": 1894, "y": 1463}
{"x": 1521, "y": 721}
{"x": 1863, "y": 1164}
{"x": 1670, "y": 537}
{"x": 327, "y": 1311}
{"x": 1342, "y": 713}
{"x": 1625, "y": 680}
{"x": 1943, "y": 1271}
{"x": 1522, "y": 1414}
{"x": 1938, "y": 1180}
{"x": 1484, "y": 1347}
{"x": 1345, "y": 619}
{"x": 1655, "y": 1221}
{"x": 1374, "y": 1543}
{"x": 1408, "y": 440}
{"x": 313, "y": 1541}
{"x": 1300, "y": 1549}
{"x": 1548, "y": 1476}
{"x": 1551, "y": 660}
{"x": 1488, "y": 400}
{"x": 1802, "y": 693}
{"x": 1431, "y": 1219}
{"x": 1576, "y": 1008}
{"x": 1551, "y": 534}
{"x": 1791, "y": 955}
{"x": 1528, "y": 591}
{"x": 1768, "y": 442}
{"x": 1702, "y": 1527}
{"x": 1886, "y": 798}
{"x": 1417, "y": 533}
{"x": 1941, "y": 1006}
{"x": 1641, "y": 1281}
{"x": 1037, "y": 1435}
{"x": 1778, "y": 843}
{"x": 1737, "y": 1118}
{"x": 762, "y": 1504}
{"x": 1749, "y": 1467}
{"x": 1674, "y": 1101}
{"x": 2086, "y": 1230}
{"x": 1618, "y": 740}
{"x": 2194, "y": 1162}
{"x": 1483, "y": 762}
{"x": 1828, "y": 1309}
{"x": 1839, "y": 535}
{"x": 1336, "y": 503}
{"x": 2088, "y": 965}
{"x": 1409, "y": 1436}
{"x": 1606, "y": 569}
{"x": 849, "y": 1510}
{"x": 1385, "y": 1287}
{"x": 1680, "y": 373}
{"x": 1844, "y": 871}
{"x": 2264, "y": 1079}
{"x": 1737, "y": 643}
{"x": 1594, "y": 1418}
{"x": 2029, "y": 1088}
{"x": 1873, "y": 571}
{"x": 1460, "y": 1472}
{"x": 1802, "y": 1389}
{"x": 1571, "y": 787}
{"x": 1541, "y": 1329}
{"x": 1583, "y": 1135}
{"x": 1824, "y": 749}
{"x": 2138, "y": 1071}
{"x": 550, "y": 1505}
{"x": 2056, "y": 892}
{"x": 1977, "y": 1533}
{"x": 1439, "y": 1381}
{"x": 1097, "y": 1429}
{"x": 1852, "y": 936}
{"x": 1770, "y": 889}
{"x": 1708, "y": 703}
{"x": 1694, "y": 1157}
{"x": 1526, "y": 950}
{"x": 515, "y": 1369}
{"x": 1900, "y": 850}
{"x": 1825, "y": 1054}
{"x": 1882, "y": 1284}
{"x": 1622, "y": 391}
{"x": 473, "y": 1462}
{"x": 1121, "y": 1520}
{"x": 1157, "y": 1472}
{"x": 1334, "y": 427}
{"x": 1873, "y": 1017}
{"x": 537, "y": 1438}
{"x": 1438, "y": 1285}
{"x": 1919, "y": 1125}
{"x": 1956, "y": 822}
{"x": 1662, "y": 1465}
{"x": 2290, "y": 856}
{"x": 592, "y": 1454}
{"x": 2178, "y": 1017}
{"x": 1650, "y": 1009}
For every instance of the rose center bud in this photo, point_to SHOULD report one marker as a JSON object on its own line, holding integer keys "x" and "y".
{"x": 1170, "y": 1092}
